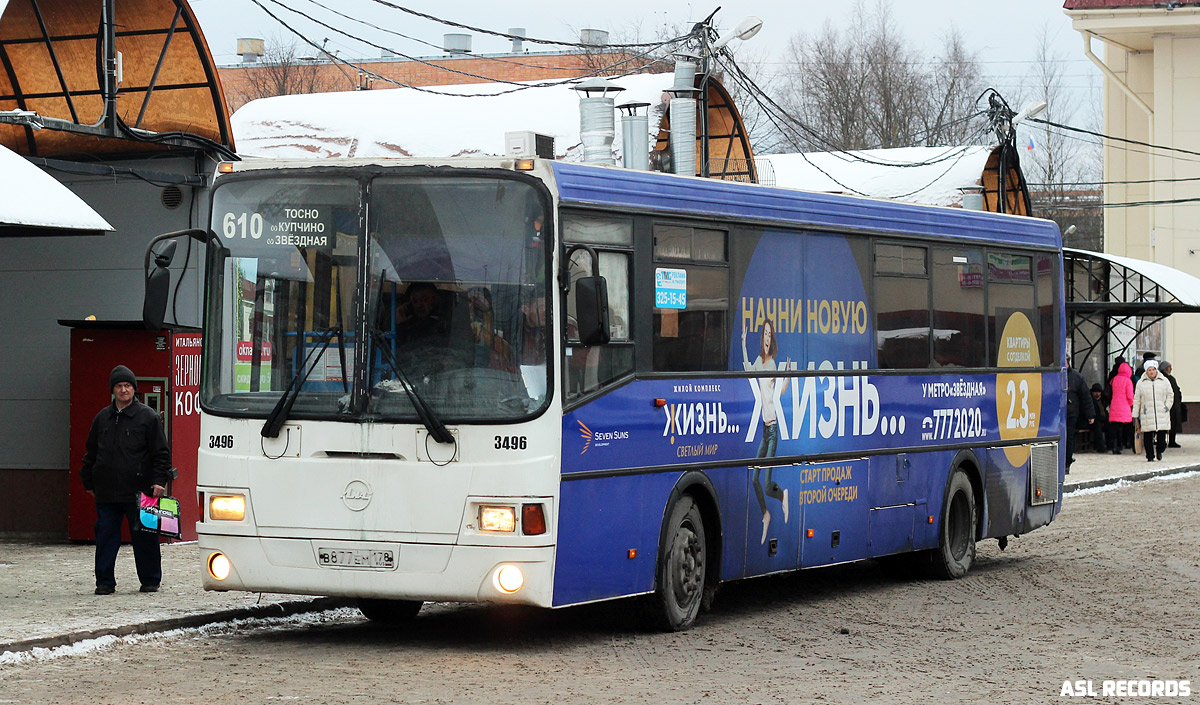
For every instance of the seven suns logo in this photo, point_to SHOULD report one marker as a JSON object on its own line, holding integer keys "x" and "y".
{"x": 601, "y": 438}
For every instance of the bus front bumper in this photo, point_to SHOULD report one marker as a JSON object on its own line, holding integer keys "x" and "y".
{"x": 402, "y": 571}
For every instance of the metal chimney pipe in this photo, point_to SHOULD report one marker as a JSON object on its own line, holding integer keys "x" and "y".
{"x": 683, "y": 114}
{"x": 972, "y": 198}
{"x": 597, "y": 126}
{"x": 635, "y": 137}
{"x": 686, "y": 66}
{"x": 518, "y": 34}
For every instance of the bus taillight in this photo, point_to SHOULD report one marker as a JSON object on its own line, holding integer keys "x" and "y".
{"x": 533, "y": 519}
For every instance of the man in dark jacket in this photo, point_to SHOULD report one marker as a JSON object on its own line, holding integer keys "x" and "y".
{"x": 1079, "y": 403}
{"x": 1176, "y": 406}
{"x": 127, "y": 455}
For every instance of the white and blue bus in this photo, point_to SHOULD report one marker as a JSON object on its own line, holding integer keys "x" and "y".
{"x": 528, "y": 381}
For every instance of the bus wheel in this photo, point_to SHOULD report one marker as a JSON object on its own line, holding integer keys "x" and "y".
{"x": 389, "y": 611}
{"x": 956, "y": 543}
{"x": 682, "y": 563}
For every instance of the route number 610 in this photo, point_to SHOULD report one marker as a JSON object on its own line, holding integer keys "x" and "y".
{"x": 232, "y": 222}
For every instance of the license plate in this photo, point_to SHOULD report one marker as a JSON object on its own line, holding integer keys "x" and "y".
{"x": 360, "y": 558}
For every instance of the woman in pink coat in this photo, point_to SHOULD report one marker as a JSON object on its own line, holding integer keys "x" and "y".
{"x": 1120, "y": 411}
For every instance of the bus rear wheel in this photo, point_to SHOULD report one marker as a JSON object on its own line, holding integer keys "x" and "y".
{"x": 389, "y": 611}
{"x": 682, "y": 569}
{"x": 956, "y": 541}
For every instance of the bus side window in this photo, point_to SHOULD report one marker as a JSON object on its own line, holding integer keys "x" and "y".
{"x": 589, "y": 368}
{"x": 696, "y": 337}
{"x": 901, "y": 307}
{"x": 958, "y": 314}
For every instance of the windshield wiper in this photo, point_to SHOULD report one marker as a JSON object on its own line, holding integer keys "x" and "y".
{"x": 283, "y": 407}
{"x": 425, "y": 413}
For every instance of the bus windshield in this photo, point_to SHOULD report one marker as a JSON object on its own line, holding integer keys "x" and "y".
{"x": 355, "y": 285}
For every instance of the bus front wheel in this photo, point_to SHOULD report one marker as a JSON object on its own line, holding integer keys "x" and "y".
{"x": 389, "y": 611}
{"x": 682, "y": 566}
{"x": 956, "y": 541}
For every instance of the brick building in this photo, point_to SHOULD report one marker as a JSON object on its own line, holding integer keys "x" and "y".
{"x": 259, "y": 79}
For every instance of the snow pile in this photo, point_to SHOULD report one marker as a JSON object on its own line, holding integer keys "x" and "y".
{"x": 929, "y": 175}
{"x": 88, "y": 646}
{"x": 1121, "y": 484}
{"x": 405, "y": 122}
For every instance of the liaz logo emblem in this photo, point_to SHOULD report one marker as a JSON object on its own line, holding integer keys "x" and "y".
{"x": 357, "y": 495}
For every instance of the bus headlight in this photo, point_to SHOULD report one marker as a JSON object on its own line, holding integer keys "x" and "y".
{"x": 497, "y": 519}
{"x": 219, "y": 566}
{"x": 508, "y": 579}
{"x": 227, "y": 508}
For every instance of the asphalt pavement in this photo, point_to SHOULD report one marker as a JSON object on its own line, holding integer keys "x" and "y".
{"x": 47, "y": 600}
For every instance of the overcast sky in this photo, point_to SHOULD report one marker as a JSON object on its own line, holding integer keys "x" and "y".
{"x": 1004, "y": 34}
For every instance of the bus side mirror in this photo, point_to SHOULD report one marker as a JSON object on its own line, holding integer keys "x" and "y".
{"x": 154, "y": 307}
{"x": 158, "y": 281}
{"x": 591, "y": 309}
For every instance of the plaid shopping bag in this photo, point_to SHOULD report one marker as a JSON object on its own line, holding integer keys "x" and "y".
{"x": 161, "y": 515}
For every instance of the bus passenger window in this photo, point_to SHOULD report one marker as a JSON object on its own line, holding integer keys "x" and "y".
{"x": 696, "y": 337}
{"x": 1010, "y": 291}
{"x": 958, "y": 315}
{"x": 901, "y": 307}
{"x": 1046, "y": 271}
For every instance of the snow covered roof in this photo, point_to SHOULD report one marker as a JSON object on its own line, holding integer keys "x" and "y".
{"x": 34, "y": 199}
{"x": 929, "y": 175}
{"x": 405, "y": 122}
{"x": 1183, "y": 286}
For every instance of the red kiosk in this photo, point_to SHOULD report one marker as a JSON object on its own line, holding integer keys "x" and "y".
{"x": 167, "y": 365}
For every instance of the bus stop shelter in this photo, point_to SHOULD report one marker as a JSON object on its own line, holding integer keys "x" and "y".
{"x": 1111, "y": 300}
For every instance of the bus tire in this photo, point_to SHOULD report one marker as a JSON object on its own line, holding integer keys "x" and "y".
{"x": 956, "y": 537}
{"x": 682, "y": 568}
{"x": 389, "y": 611}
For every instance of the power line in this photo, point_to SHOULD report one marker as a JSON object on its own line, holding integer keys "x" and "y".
{"x": 1115, "y": 139}
{"x": 1116, "y": 183}
{"x": 517, "y": 85}
{"x": 772, "y": 109}
{"x": 1120, "y": 147}
{"x": 759, "y": 95}
{"x": 418, "y": 40}
{"x": 1130, "y": 204}
{"x": 506, "y": 35}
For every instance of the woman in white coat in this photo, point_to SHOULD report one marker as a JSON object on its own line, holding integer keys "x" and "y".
{"x": 1152, "y": 408}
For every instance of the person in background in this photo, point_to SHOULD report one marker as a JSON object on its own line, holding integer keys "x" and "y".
{"x": 1141, "y": 370}
{"x": 1100, "y": 428}
{"x": 1120, "y": 409}
{"x": 1079, "y": 404}
{"x": 1152, "y": 408}
{"x": 1176, "y": 407}
{"x": 127, "y": 455}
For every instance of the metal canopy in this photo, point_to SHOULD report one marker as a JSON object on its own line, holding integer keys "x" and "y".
{"x": 59, "y": 64}
{"x": 1108, "y": 291}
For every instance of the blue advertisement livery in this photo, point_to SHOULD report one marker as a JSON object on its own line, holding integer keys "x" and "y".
{"x": 856, "y": 368}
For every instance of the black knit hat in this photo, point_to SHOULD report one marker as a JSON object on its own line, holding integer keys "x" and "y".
{"x": 1097, "y": 388}
{"x": 121, "y": 373}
